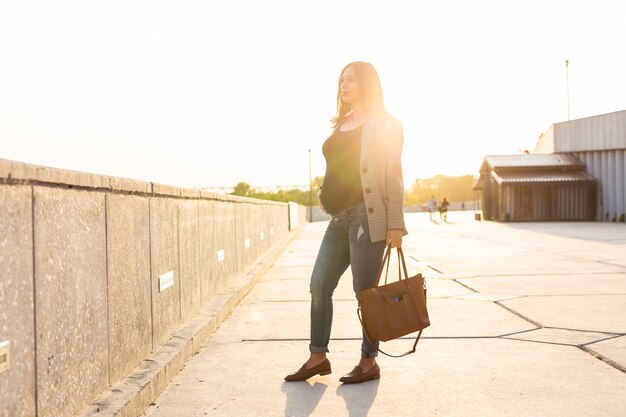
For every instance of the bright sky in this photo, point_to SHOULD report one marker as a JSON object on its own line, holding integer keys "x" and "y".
{"x": 207, "y": 93}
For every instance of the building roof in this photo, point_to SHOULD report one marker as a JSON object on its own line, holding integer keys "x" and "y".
{"x": 510, "y": 178}
{"x": 531, "y": 162}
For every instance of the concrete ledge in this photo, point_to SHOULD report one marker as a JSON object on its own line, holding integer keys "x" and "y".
{"x": 123, "y": 184}
{"x": 208, "y": 195}
{"x": 24, "y": 173}
{"x": 132, "y": 395}
{"x": 190, "y": 192}
{"x": 165, "y": 189}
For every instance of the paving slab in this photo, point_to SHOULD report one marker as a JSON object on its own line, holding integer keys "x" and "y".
{"x": 289, "y": 321}
{"x": 445, "y": 378}
{"x": 439, "y": 288}
{"x": 294, "y": 285}
{"x": 613, "y": 349}
{"x": 471, "y": 318}
{"x": 483, "y": 296}
{"x": 560, "y": 336}
{"x": 603, "y": 313}
{"x": 462, "y": 319}
{"x": 480, "y": 357}
{"x": 289, "y": 273}
{"x": 608, "y": 253}
{"x": 295, "y": 261}
{"x": 528, "y": 264}
{"x": 568, "y": 284}
{"x": 297, "y": 289}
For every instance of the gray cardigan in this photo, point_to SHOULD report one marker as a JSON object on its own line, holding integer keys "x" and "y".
{"x": 381, "y": 175}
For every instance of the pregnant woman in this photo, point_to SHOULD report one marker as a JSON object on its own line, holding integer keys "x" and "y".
{"x": 363, "y": 192}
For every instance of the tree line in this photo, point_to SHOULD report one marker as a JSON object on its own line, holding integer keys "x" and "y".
{"x": 296, "y": 195}
{"x": 455, "y": 189}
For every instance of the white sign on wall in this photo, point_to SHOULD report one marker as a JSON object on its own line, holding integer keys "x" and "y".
{"x": 166, "y": 280}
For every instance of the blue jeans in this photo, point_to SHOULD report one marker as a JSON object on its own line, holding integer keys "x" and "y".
{"x": 346, "y": 243}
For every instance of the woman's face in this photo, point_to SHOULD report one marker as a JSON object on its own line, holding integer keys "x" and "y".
{"x": 349, "y": 86}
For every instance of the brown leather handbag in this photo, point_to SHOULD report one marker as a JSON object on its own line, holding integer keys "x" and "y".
{"x": 394, "y": 309}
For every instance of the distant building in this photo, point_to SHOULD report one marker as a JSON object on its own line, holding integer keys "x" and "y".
{"x": 576, "y": 172}
{"x": 600, "y": 143}
{"x": 536, "y": 188}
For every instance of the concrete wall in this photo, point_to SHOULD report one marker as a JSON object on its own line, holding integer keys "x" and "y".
{"x": 600, "y": 142}
{"x": 81, "y": 256}
{"x": 609, "y": 168}
{"x": 17, "y": 385}
{"x": 596, "y": 133}
{"x": 70, "y": 282}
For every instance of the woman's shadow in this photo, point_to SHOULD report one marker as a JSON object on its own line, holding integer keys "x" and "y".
{"x": 302, "y": 397}
{"x": 359, "y": 397}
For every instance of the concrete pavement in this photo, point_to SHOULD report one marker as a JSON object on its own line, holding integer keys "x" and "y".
{"x": 528, "y": 319}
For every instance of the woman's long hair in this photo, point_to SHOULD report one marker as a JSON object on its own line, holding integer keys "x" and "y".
{"x": 370, "y": 92}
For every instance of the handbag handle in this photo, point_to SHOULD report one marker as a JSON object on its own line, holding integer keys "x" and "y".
{"x": 384, "y": 261}
{"x": 387, "y": 260}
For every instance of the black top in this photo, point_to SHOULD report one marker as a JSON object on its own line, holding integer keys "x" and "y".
{"x": 342, "y": 182}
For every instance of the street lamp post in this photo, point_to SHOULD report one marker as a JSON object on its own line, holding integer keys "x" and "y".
{"x": 310, "y": 190}
{"x": 567, "y": 83}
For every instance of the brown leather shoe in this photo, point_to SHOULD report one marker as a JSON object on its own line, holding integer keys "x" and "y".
{"x": 357, "y": 375}
{"x": 323, "y": 368}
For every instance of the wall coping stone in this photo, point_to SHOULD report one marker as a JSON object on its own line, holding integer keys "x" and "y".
{"x": 25, "y": 173}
